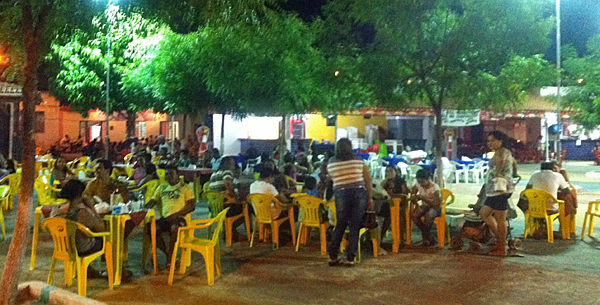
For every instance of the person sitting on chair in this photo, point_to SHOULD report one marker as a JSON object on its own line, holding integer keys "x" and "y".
{"x": 176, "y": 200}
{"x": 430, "y": 195}
{"x": 264, "y": 185}
{"x": 552, "y": 182}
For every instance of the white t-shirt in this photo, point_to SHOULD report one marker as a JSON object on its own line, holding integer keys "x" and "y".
{"x": 549, "y": 181}
{"x": 429, "y": 192}
{"x": 261, "y": 187}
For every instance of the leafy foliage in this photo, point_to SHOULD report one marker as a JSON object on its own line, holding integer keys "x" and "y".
{"x": 585, "y": 96}
{"x": 81, "y": 61}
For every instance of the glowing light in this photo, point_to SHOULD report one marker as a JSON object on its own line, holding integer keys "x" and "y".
{"x": 337, "y": 73}
{"x": 409, "y": 81}
{"x": 579, "y": 81}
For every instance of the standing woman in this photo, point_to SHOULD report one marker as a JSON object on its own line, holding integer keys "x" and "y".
{"x": 353, "y": 195}
{"x": 498, "y": 188}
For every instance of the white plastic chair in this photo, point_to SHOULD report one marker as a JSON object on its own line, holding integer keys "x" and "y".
{"x": 459, "y": 170}
{"x": 476, "y": 171}
{"x": 403, "y": 169}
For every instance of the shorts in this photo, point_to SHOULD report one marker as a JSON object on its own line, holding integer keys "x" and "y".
{"x": 165, "y": 225}
{"x": 499, "y": 203}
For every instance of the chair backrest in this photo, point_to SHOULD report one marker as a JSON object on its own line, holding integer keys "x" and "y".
{"x": 216, "y": 200}
{"x": 537, "y": 202}
{"x": 42, "y": 187}
{"x": 129, "y": 170}
{"x": 127, "y": 158}
{"x": 262, "y": 206}
{"x": 206, "y": 187}
{"x": 63, "y": 235}
{"x": 14, "y": 181}
{"x": 38, "y": 168}
{"x": 4, "y": 192}
{"x": 414, "y": 169}
{"x": 161, "y": 175}
{"x": 155, "y": 160}
{"x": 219, "y": 221}
{"x": 310, "y": 209}
{"x": 150, "y": 189}
{"x": 82, "y": 161}
{"x": 447, "y": 199}
{"x": 51, "y": 163}
{"x": 331, "y": 205}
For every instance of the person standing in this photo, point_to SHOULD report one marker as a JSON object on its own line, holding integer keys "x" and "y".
{"x": 353, "y": 195}
{"x": 498, "y": 189}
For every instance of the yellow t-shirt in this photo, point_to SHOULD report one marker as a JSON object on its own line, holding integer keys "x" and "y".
{"x": 172, "y": 197}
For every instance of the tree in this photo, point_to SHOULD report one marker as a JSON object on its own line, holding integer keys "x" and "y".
{"x": 583, "y": 79}
{"x": 81, "y": 62}
{"x": 450, "y": 54}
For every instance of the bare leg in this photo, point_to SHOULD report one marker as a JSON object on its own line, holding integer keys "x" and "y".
{"x": 486, "y": 215}
{"x": 500, "y": 217}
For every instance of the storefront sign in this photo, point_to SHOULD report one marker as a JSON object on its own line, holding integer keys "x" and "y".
{"x": 460, "y": 118}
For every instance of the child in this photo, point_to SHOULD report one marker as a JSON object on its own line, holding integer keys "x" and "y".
{"x": 310, "y": 187}
{"x": 176, "y": 201}
{"x": 430, "y": 196}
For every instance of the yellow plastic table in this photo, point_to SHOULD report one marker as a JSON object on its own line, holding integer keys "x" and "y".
{"x": 116, "y": 225}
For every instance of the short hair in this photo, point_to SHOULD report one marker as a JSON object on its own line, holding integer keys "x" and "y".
{"x": 107, "y": 164}
{"x": 266, "y": 172}
{"x": 172, "y": 167}
{"x": 150, "y": 169}
{"x": 500, "y": 136}
{"x": 287, "y": 169}
{"x": 224, "y": 162}
{"x": 423, "y": 174}
{"x": 185, "y": 151}
{"x": 549, "y": 165}
{"x": 310, "y": 183}
{"x": 72, "y": 189}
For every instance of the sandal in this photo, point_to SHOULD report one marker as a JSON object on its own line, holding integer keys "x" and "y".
{"x": 498, "y": 250}
{"x": 334, "y": 262}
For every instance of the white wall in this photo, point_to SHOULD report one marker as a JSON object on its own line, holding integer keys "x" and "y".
{"x": 264, "y": 128}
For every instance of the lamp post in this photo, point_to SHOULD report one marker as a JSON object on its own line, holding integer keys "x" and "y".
{"x": 109, "y": 46}
{"x": 558, "y": 151}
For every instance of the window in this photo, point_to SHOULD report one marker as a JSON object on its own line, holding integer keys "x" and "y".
{"x": 165, "y": 129}
{"x": 40, "y": 119}
{"x": 140, "y": 130}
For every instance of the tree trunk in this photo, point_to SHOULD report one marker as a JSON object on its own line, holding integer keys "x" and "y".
{"x": 222, "y": 146}
{"x": 131, "y": 117}
{"x": 10, "y": 278}
{"x": 439, "y": 142}
{"x": 282, "y": 140}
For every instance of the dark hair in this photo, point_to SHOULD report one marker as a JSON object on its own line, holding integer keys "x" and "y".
{"x": 287, "y": 169}
{"x": 288, "y": 158}
{"x": 343, "y": 150}
{"x": 216, "y": 152}
{"x": 10, "y": 166}
{"x": 224, "y": 162}
{"x": 548, "y": 165}
{"x": 106, "y": 164}
{"x": 266, "y": 172}
{"x": 423, "y": 174}
{"x": 172, "y": 167}
{"x": 151, "y": 170}
{"x": 310, "y": 183}
{"x": 73, "y": 189}
{"x": 499, "y": 135}
{"x": 185, "y": 151}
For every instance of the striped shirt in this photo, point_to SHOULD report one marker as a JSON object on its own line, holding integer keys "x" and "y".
{"x": 346, "y": 173}
{"x": 217, "y": 178}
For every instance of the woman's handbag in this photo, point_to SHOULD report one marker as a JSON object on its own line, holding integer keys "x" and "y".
{"x": 500, "y": 184}
{"x": 370, "y": 220}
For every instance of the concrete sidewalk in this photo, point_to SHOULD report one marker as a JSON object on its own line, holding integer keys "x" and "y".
{"x": 565, "y": 272}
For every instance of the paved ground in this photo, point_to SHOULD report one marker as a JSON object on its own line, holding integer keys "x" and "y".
{"x": 559, "y": 273}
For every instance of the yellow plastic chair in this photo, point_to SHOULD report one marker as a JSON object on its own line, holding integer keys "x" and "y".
{"x": 150, "y": 187}
{"x": 63, "y": 234}
{"x": 395, "y": 217}
{"x": 537, "y": 209}
{"x": 51, "y": 163}
{"x": 440, "y": 222}
{"x": 593, "y": 211}
{"x": 216, "y": 201}
{"x": 129, "y": 171}
{"x": 127, "y": 158}
{"x": 4, "y": 192}
{"x": 46, "y": 192}
{"x": 155, "y": 160}
{"x": 38, "y": 168}
{"x": 310, "y": 219}
{"x": 262, "y": 206}
{"x": 14, "y": 181}
{"x": 209, "y": 248}
{"x": 331, "y": 205}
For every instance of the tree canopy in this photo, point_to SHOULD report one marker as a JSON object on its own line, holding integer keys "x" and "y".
{"x": 583, "y": 79}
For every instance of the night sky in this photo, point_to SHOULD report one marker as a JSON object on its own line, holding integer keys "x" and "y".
{"x": 580, "y": 20}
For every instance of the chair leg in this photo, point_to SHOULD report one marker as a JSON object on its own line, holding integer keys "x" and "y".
{"x": 261, "y": 231}
{"x": 183, "y": 263}
{"x": 323, "y": 239}
{"x": 591, "y": 232}
{"x": 585, "y": 218}
{"x": 228, "y": 230}
{"x": 572, "y": 222}
{"x": 109, "y": 264}
{"x": 2, "y": 224}
{"x": 292, "y": 224}
{"x": 51, "y": 274}
{"x": 218, "y": 259}
{"x": 247, "y": 220}
{"x": 36, "y": 232}
{"x": 550, "y": 230}
{"x": 173, "y": 260}
{"x": 81, "y": 277}
{"x": 275, "y": 237}
{"x": 254, "y": 231}
{"x": 375, "y": 247}
{"x": 299, "y": 235}
{"x": 527, "y": 228}
{"x": 210, "y": 266}
{"x": 441, "y": 232}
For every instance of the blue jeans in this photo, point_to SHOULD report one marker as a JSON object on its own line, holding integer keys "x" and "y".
{"x": 350, "y": 204}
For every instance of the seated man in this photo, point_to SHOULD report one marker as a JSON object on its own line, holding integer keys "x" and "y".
{"x": 265, "y": 186}
{"x": 552, "y": 182}
{"x": 430, "y": 195}
{"x": 176, "y": 201}
{"x": 103, "y": 185}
